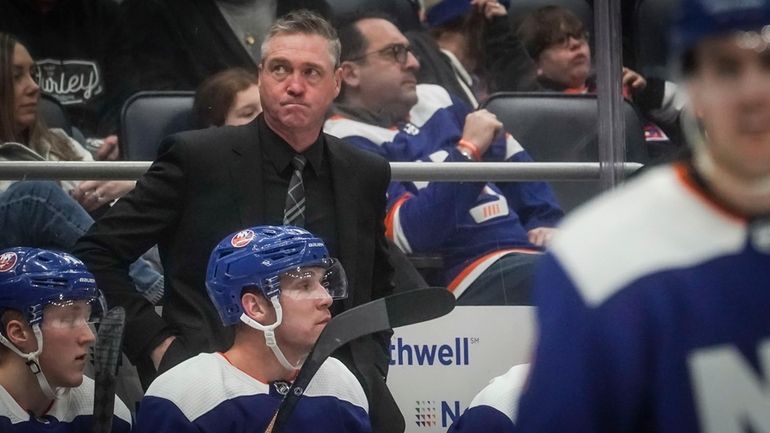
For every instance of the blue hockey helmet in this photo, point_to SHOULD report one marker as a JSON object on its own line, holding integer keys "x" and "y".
{"x": 32, "y": 278}
{"x": 699, "y": 19}
{"x": 259, "y": 257}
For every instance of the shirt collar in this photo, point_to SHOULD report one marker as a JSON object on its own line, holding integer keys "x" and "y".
{"x": 280, "y": 153}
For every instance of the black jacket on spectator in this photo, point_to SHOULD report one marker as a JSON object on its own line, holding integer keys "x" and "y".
{"x": 509, "y": 67}
{"x": 176, "y": 44}
{"x": 70, "y": 44}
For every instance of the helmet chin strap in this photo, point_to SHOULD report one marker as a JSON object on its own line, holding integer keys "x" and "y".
{"x": 269, "y": 332}
{"x": 32, "y": 361}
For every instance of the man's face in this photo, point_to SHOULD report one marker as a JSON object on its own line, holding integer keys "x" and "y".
{"x": 66, "y": 338}
{"x": 567, "y": 63}
{"x": 305, "y": 304}
{"x": 730, "y": 93}
{"x": 26, "y": 90}
{"x": 385, "y": 84}
{"x": 297, "y": 82}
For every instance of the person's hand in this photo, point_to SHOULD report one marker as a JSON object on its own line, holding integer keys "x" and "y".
{"x": 541, "y": 236}
{"x": 109, "y": 150}
{"x": 92, "y": 194}
{"x": 160, "y": 351}
{"x": 633, "y": 80}
{"x": 490, "y": 8}
{"x": 481, "y": 128}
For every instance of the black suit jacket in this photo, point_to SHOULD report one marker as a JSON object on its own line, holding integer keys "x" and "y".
{"x": 206, "y": 186}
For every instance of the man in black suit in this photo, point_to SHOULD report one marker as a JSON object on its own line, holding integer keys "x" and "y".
{"x": 216, "y": 181}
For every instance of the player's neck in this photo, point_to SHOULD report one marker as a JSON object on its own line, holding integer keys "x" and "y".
{"x": 21, "y": 384}
{"x": 750, "y": 197}
{"x": 251, "y": 355}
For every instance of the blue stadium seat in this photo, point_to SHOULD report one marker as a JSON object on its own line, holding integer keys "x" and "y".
{"x": 554, "y": 127}
{"x": 148, "y": 117}
{"x": 53, "y": 114}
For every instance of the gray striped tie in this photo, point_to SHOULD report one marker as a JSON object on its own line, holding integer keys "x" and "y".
{"x": 294, "y": 212}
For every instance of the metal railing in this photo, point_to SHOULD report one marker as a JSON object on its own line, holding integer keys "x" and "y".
{"x": 401, "y": 171}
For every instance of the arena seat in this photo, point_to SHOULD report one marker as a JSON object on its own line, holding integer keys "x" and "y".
{"x": 554, "y": 127}
{"x": 651, "y": 36}
{"x": 405, "y": 12}
{"x": 53, "y": 114}
{"x": 148, "y": 117}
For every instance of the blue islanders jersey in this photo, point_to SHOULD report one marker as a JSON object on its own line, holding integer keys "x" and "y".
{"x": 471, "y": 224}
{"x": 207, "y": 394}
{"x": 654, "y": 316}
{"x": 494, "y": 408}
{"x": 72, "y": 412}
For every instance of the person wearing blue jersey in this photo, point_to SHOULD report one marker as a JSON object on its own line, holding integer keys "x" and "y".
{"x": 659, "y": 321}
{"x": 488, "y": 234}
{"x": 274, "y": 285}
{"x": 47, "y": 301}
{"x": 493, "y": 409}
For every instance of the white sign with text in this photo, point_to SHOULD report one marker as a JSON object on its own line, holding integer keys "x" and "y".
{"x": 437, "y": 367}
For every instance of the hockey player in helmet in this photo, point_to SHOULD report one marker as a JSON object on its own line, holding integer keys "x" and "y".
{"x": 48, "y": 300}
{"x": 659, "y": 322}
{"x": 275, "y": 284}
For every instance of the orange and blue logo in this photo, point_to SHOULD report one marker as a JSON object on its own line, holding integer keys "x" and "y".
{"x": 242, "y": 238}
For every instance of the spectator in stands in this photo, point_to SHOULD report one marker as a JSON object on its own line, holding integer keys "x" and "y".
{"x": 214, "y": 181}
{"x": 230, "y": 97}
{"x": 489, "y": 234}
{"x": 48, "y": 302}
{"x": 71, "y": 41}
{"x": 658, "y": 321}
{"x": 557, "y": 41}
{"x": 177, "y": 44}
{"x": 276, "y": 325}
{"x": 481, "y": 45}
{"x": 41, "y": 213}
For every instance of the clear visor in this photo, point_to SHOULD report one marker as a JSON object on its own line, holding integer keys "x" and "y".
{"x": 72, "y": 314}
{"x": 315, "y": 282}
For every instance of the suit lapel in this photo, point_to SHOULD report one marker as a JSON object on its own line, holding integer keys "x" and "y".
{"x": 345, "y": 203}
{"x": 246, "y": 177}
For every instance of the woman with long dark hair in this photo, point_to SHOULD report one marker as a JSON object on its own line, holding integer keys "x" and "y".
{"x": 42, "y": 214}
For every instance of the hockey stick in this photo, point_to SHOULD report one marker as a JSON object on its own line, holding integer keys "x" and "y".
{"x": 106, "y": 358}
{"x": 380, "y": 315}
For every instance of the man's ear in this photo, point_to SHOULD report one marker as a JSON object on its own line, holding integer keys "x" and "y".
{"x": 20, "y": 334}
{"x": 257, "y": 307}
{"x": 349, "y": 74}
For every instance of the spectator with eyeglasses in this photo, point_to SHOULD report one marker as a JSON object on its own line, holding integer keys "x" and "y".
{"x": 557, "y": 41}
{"x": 489, "y": 235}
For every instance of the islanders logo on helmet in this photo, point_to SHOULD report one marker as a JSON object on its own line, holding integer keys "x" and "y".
{"x": 242, "y": 238}
{"x": 8, "y": 261}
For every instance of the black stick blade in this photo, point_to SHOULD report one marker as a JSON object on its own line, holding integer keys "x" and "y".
{"x": 106, "y": 360}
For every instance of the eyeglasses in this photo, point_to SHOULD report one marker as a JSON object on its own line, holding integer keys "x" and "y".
{"x": 398, "y": 52}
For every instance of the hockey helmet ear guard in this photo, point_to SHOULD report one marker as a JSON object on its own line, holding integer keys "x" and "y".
{"x": 259, "y": 257}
